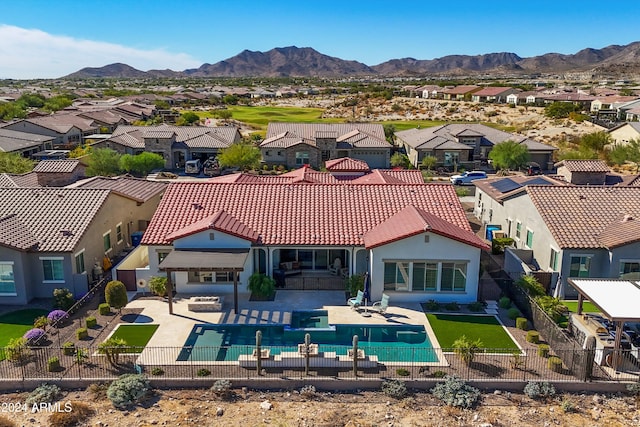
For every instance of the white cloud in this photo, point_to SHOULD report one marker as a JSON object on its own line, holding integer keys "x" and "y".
{"x": 29, "y": 54}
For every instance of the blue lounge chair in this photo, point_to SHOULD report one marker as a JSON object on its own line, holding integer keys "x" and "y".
{"x": 357, "y": 300}
{"x": 382, "y": 305}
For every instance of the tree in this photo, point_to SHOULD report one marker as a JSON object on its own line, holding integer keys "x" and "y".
{"x": 629, "y": 152}
{"x": 158, "y": 285}
{"x": 115, "y": 293}
{"x": 389, "y": 132}
{"x": 223, "y": 114}
{"x": 141, "y": 164}
{"x": 104, "y": 162}
{"x": 560, "y": 110}
{"x": 112, "y": 349}
{"x": 15, "y": 163}
{"x": 399, "y": 160}
{"x": 243, "y": 155}
{"x": 188, "y": 118}
{"x": 509, "y": 155}
{"x": 467, "y": 349}
{"x": 596, "y": 141}
{"x": 429, "y": 162}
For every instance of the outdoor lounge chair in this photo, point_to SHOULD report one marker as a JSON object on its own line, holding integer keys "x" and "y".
{"x": 357, "y": 300}
{"x": 382, "y": 305}
{"x": 336, "y": 267}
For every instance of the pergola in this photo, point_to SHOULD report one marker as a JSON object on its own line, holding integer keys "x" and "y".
{"x": 616, "y": 299}
{"x": 221, "y": 260}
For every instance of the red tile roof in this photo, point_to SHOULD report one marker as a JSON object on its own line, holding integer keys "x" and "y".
{"x": 311, "y": 214}
{"x": 390, "y": 176}
{"x": 346, "y": 164}
{"x": 220, "y": 221}
{"x": 412, "y": 221}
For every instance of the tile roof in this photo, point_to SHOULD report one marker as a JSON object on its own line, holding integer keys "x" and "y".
{"x": 311, "y": 214}
{"x": 355, "y": 135}
{"x": 56, "y": 217}
{"x": 29, "y": 179}
{"x": 136, "y": 189}
{"x": 308, "y": 175}
{"x": 501, "y": 188}
{"x": 390, "y": 176}
{"x": 63, "y": 122}
{"x": 492, "y": 91}
{"x": 11, "y": 140}
{"x": 346, "y": 164}
{"x": 57, "y": 166}
{"x": 622, "y": 231}
{"x": 584, "y": 165}
{"x": 221, "y": 221}
{"x": 577, "y": 216}
{"x": 412, "y": 221}
{"x": 190, "y": 136}
{"x": 461, "y": 90}
{"x": 15, "y": 234}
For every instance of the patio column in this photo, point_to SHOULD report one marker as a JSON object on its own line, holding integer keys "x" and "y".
{"x": 235, "y": 292}
{"x": 580, "y": 300}
{"x": 170, "y": 291}
{"x": 617, "y": 353}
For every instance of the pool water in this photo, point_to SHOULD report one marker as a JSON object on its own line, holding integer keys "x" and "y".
{"x": 397, "y": 343}
{"x": 309, "y": 319}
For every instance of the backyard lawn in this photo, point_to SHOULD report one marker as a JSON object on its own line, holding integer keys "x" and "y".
{"x": 135, "y": 335}
{"x": 587, "y": 307}
{"x": 16, "y": 323}
{"x": 449, "y": 327}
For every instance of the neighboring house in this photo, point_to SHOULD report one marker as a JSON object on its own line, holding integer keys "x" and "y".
{"x": 176, "y": 144}
{"x": 413, "y": 239}
{"x": 429, "y": 91}
{"x": 298, "y": 144}
{"x": 529, "y": 97}
{"x": 10, "y": 180}
{"x": 23, "y": 143}
{"x": 610, "y": 102}
{"x": 460, "y": 93}
{"x": 53, "y": 237}
{"x": 67, "y": 130}
{"x": 625, "y": 132}
{"x": 495, "y": 94}
{"x": 466, "y": 145}
{"x": 583, "y": 172}
{"x": 58, "y": 173}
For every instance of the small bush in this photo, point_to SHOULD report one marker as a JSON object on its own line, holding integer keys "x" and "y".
{"x": 452, "y": 306}
{"x": 82, "y": 355}
{"x": 41, "y": 322}
{"x": 499, "y": 243}
{"x": 394, "y": 388}
{"x": 531, "y": 285}
{"x": 539, "y": 390}
{"x": 439, "y": 374}
{"x": 115, "y": 293}
{"x": 157, "y": 371}
{"x": 57, "y": 316}
{"x": 33, "y": 335}
{"x": 92, "y": 322}
{"x": 79, "y": 413}
{"x": 521, "y": 323}
{"x": 82, "y": 333}
{"x": 432, "y": 305}
{"x": 222, "y": 389}
{"x": 68, "y": 348}
{"x": 158, "y": 285}
{"x": 543, "y": 350}
{"x": 203, "y": 372}
{"x": 63, "y": 299}
{"x": 402, "y": 372}
{"x": 567, "y": 406}
{"x": 633, "y": 389}
{"x": 53, "y": 364}
{"x": 476, "y": 306}
{"x": 455, "y": 392}
{"x": 112, "y": 349}
{"x": 98, "y": 390}
{"x": 533, "y": 337}
{"x": 513, "y": 313}
{"x": 17, "y": 351}
{"x": 504, "y": 302}
{"x": 104, "y": 309}
{"x": 308, "y": 391}
{"x": 467, "y": 349}
{"x": 262, "y": 285}
{"x": 128, "y": 389}
{"x": 46, "y": 393}
{"x": 555, "y": 364}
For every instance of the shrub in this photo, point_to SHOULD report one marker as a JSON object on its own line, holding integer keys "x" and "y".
{"x": 452, "y": 306}
{"x": 499, "y": 243}
{"x": 104, "y": 309}
{"x": 46, "y": 393}
{"x": 112, "y": 349}
{"x": 203, "y": 372}
{"x": 504, "y": 302}
{"x": 91, "y": 322}
{"x": 82, "y": 333}
{"x": 157, "y": 371}
{"x": 33, "y": 335}
{"x": 68, "y": 348}
{"x": 394, "y": 388}
{"x": 521, "y": 323}
{"x": 633, "y": 389}
{"x": 432, "y": 305}
{"x": 439, "y": 374}
{"x": 63, "y": 299}
{"x": 455, "y": 392}
{"x": 355, "y": 283}
{"x": 128, "y": 389}
{"x": 56, "y": 316}
{"x": 53, "y": 364}
{"x": 467, "y": 349}
{"x": 261, "y": 285}
{"x": 158, "y": 285}
{"x": 82, "y": 355}
{"x": 555, "y": 364}
{"x": 533, "y": 337}
{"x": 513, "y": 313}
{"x": 98, "y": 390}
{"x": 539, "y": 390}
{"x": 79, "y": 413}
{"x": 543, "y": 350}
{"x": 567, "y": 406}
{"x": 222, "y": 389}
{"x": 115, "y": 293}
{"x": 402, "y": 372}
{"x": 17, "y": 351}
{"x": 41, "y": 322}
{"x": 476, "y": 306}
{"x": 531, "y": 285}
{"x": 552, "y": 306}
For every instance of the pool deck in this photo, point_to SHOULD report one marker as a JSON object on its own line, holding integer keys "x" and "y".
{"x": 174, "y": 329}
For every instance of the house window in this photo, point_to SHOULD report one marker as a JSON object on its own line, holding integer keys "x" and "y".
{"x": 209, "y": 277}
{"x": 267, "y": 153}
{"x": 580, "y": 265}
{"x": 529, "y": 238}
{"x": 106, "y": 241}
{"x": 454, "y": 276}
{"x": 80, "y": 262}
{"x": 396, "y": 276}
{"x": 53, "y": 270}
{"x": 302, "y": 158}
{"x": 509, "y": 227}
{"x": 279, "y": 153}
{"x": 451, "y": 158}
{"x": 119, "y": 233}
{"x": 7, "y": 280}
{"x": 553, "y": 260}
{"x": 518, "y": 229}
{"x": 162, "y": 256}
{"x": 326, "y": 155}
{"x": 630, "y": 270}
{"x": 425, "y": 276}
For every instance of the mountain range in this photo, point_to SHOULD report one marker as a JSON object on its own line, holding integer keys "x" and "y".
{"x": 293, "y": 61}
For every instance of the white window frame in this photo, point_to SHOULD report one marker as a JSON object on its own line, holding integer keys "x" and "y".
{"x": 526, "y": 238}
{"x": 110, "y": 248}
{"x": 52, "y": 258}
{"x": 590, "y": 256}
{"x": 119, "y": 238}
{"x": 518, "y": 233}
{"x": 84, "y": 264}
{"x": 554, "y": 266}
{"x": 10, "y": 294}
{"x": 408, "y": 286}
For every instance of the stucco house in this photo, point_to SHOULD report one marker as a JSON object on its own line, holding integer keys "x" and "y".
{"x": 23, "y": 143}
{"x": 625, "y": 132}
{"x": 298, "y": 144}
{"x": 52, "y": 237}
{"x": 495, "y": 94}
{"x": 413, "y": 239}
{"x": 67, "y": 130}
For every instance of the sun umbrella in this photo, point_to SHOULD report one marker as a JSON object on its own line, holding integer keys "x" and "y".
{"x": 367, "y": 288}
{"x": 558, "y": 292}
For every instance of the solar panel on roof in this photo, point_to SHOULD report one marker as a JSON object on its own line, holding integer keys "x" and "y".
{"x": 537, "y": 181}
{"x": 505, "y": 185}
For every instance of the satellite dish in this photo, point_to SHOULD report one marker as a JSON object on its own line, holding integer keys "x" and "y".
{"x": 142, "y": 283}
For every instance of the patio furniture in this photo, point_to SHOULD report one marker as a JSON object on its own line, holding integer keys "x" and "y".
{"x": 313, "y": 349}
{"x": 382, "y": 305}
{"x": 361, "y": 355}
{"x": 357, "y": 300}
{"x": 335, "y": 267}
{"x": 212, "y": 303}
{"x": 290, "y": 268}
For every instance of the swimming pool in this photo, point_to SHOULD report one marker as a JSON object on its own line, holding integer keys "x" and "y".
{"x": 397, "y": 343}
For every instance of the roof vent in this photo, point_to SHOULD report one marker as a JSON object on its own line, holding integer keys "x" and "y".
{"x": 196, "y": 205}
{"x": 582, "y": 197}
{"x": 67, "y": 233}
{"x": 627, "y": 218}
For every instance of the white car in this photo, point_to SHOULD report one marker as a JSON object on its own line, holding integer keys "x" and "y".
{"x": 467, "y": 177}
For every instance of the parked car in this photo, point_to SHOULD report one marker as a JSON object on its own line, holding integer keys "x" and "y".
{"x": 533, "y": 169}
{"x": 193, "y": 167}
{"x": 467, "y": 177}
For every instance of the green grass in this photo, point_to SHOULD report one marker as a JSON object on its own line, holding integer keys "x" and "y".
{"x": 450, "y": 327}
{"x": 135, "y": 335}
{"x": 587, "y": 307}
{"x": 16, "y": 323}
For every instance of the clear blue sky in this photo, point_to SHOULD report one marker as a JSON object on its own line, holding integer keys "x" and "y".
{"x": 52, "y": 38}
